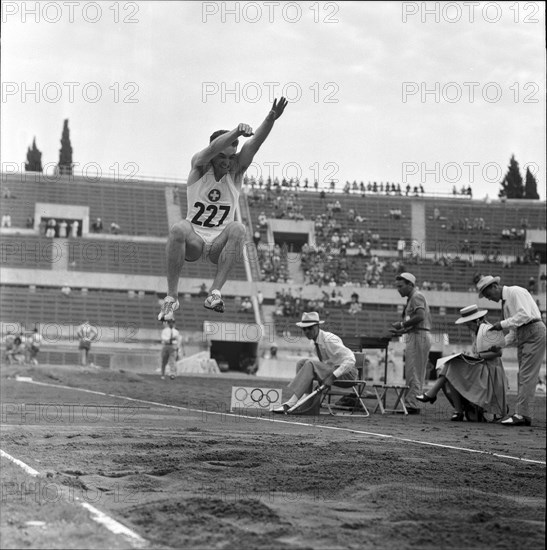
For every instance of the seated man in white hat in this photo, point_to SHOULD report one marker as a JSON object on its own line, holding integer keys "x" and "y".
{"x": 334, "y": 362}
{"x": 522, "y": 325}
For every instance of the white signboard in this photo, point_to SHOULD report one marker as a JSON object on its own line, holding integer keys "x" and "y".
{"x": 255, "y": 398}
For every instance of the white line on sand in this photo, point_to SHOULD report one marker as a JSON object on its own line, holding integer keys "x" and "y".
{"x": 26, "y": 467}
{"x": 100, "y": 517}
{"x": 115, "y": 526}
{"x": 321, "y": 426}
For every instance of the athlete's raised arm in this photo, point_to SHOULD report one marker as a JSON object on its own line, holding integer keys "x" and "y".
{"x": 252, "y": 145}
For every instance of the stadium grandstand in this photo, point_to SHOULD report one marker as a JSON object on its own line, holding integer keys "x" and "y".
{"x": 334, "y": 251}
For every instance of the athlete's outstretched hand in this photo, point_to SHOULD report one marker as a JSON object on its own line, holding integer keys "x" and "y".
{"x": 278, "y": 108}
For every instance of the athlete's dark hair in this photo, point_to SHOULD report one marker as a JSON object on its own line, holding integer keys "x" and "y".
{"x": 214, "y": 135}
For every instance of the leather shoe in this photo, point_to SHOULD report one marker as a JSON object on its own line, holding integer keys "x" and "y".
{"x": 281, "y": 410}
{"x": 516, "y": 420}
{"x": 457, "y": 417}
{"x": 424, "y": 398}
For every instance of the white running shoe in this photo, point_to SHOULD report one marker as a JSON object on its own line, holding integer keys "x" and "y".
{"x": 214, "y": 302}
{"x": 167, "y": 313}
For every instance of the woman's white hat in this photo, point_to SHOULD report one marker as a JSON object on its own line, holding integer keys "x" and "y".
{"x": 470, "y": 313}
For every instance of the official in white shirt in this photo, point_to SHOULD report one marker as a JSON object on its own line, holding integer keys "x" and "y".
{"x": 521, "y": 320}
{"x": 334, "y": 362}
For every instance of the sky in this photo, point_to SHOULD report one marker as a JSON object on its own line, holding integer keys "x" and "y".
{"x": 433, "y": 93}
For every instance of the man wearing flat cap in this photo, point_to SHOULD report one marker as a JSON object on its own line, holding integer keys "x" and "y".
{"x": 334, "y": 361}
{"x": 416, "y": 328}
{"x": 522, "y": 324}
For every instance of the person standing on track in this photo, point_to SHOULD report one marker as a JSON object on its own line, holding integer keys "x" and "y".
{"x": 171, "y": 341}
{"x": 415, "y": 328}
{"x": 86, "y": 334}
{"x": 210, "y": 230}
{"x": 523, "y": 328}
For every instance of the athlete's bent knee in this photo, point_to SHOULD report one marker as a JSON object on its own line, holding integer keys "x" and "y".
{"x": 180, "y": 230}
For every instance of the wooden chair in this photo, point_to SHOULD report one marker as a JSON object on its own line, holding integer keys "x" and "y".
{"x": 352, "y": 390}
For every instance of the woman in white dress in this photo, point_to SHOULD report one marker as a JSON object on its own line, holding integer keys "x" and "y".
{"x": 477, "y": 379}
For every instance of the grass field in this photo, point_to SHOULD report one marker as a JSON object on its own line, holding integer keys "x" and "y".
{"x": 170, "y": 463}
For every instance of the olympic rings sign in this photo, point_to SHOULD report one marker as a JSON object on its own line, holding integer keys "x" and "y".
{"x": 255, "y": 398}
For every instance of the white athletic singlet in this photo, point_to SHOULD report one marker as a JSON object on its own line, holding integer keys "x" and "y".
{"x": 211, "y": 205}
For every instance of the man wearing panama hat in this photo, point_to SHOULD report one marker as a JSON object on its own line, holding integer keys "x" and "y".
{"x": 334, "y": 361}
{"x": 522, "y": 324}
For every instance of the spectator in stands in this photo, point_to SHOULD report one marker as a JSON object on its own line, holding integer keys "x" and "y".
{"x": 16, "y": 354}
{"x": 521, "y": 319}
{"x": 246, "y": 306}
{"x": 171, "y": 341}
{"x": 63, "y": 229}
{"x": 9, "y": 340}
{"x": 478, "y": 378}
{"x": 543, "y": 280}
{"x": 416, "y": 326}
{"x": 50, "y": 228}
{"x": 114, "y": 228}
{"x": 203, "y": 290}
{"x": 354, "y": 305}
{"x": 66, "y": 290}
{"x": 32, "y": 346}
{"x": 6, "y": 193}
{"x": 97, "y": 226}
{"x": 401, "y": 244}
{"x": 210, "y": 229}
{"x": 30, "y": 222}
{"x": 249, "y": 364}
{"x": 74, "y": 228}
{"x": 334, "y": 362}
{"x": 87, "y": 334}
{"x": 6, "y": 220}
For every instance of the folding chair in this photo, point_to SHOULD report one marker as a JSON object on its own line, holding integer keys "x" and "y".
{"x": 348, "y": 389}
{"x": 381, "y": 391}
